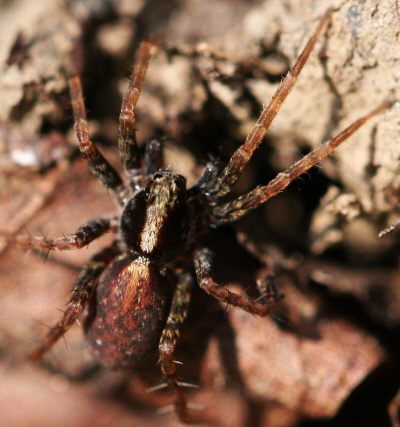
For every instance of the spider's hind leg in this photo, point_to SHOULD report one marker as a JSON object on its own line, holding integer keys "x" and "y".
{"x": 273, "y": 261}
{"x": 202, "y": 262}
{"x": 169, "y": 340}
{"x": 80, "y": 296}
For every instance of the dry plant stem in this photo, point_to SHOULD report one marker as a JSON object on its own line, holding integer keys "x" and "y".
{"x": 241, "y": 156}
{"x": 127, "y": 121}
{"x": 80, "y": 296}
{"x": 244, "y": 204}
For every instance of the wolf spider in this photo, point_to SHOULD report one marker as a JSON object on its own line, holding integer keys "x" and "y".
{"x": 129, "y": 285}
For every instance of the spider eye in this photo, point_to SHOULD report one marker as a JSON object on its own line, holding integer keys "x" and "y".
{"x": 149, "y": 196}
{"x": 176, "y": 203}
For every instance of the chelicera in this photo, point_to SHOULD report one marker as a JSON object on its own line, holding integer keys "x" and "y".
{"x": 139, "y": 289}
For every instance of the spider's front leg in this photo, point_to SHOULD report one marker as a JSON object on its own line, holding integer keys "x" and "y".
{"x": 82, "y": 237}
{"x": 127, "y": 121}
{"x": 242, "y": 155}
{"x": 234, "y": 210}
{"x": 80, "y": 296}
{"x": 169, "y": 340}
{"x": 202, "y": 262}
{"x": 97, "y": 162}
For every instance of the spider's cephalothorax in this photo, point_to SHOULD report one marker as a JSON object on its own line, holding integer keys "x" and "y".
{"x": 139, "y": 288}
{"x": 156, "y": 222}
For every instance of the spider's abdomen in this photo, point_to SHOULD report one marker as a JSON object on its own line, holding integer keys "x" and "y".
{"x": 157, "y": 221}
{"x": 127, "y": 312}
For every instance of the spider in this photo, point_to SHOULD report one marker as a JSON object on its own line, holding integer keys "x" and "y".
{"x": 139, "y": 288}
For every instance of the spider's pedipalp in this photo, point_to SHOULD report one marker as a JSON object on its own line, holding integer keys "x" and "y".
{"x": 153, "y": 148}
{"x": 234, "y": 210}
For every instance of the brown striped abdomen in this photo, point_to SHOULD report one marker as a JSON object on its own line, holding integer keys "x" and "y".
{"x": 127, "y": 313}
